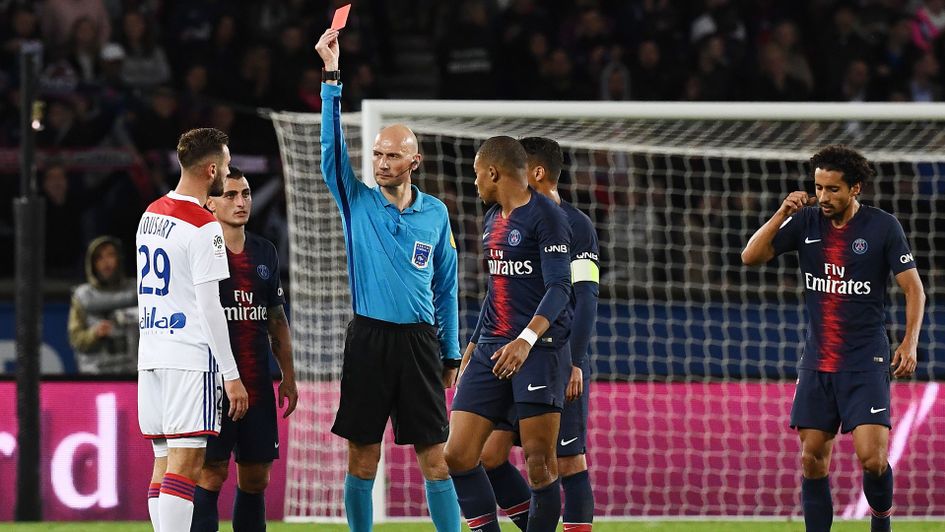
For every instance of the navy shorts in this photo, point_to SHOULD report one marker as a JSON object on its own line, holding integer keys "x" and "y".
{"x": 538, "y": 383}
{"x": 829, "y": 401}
{"x": 572, "y": 435}
{"x": 252, "y": 439}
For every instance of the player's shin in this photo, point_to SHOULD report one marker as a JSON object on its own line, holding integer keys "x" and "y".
{"x": 818, "y": 506}
{"x": 578, "y": 502}
{"x": 206, "y": 516}
{"x": 249, "y": 512}
{"x": 176, "y": 503}
{"x": 444, "y": 510}
{"x": 359, "y": 508}
{"x": 879, "y": 493}
{"x": 476, "y": 499}
{"x": 512, "y": 493}
{"x": 545, "y": 507}
{"x": 154, "y": 492}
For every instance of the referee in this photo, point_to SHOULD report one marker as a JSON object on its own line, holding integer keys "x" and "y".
{"x": 402, "y": 348}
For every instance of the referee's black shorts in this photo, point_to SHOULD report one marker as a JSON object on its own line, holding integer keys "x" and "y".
{"x": 392, "y": 370}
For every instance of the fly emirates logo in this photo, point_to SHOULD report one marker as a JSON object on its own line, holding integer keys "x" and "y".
{"x": 834, "y": 283}
{"x": 244, "y": 309}
{"x": 498, "y": 265}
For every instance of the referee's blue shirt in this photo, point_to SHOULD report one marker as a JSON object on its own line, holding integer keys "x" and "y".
{"x": 401, "y": 265}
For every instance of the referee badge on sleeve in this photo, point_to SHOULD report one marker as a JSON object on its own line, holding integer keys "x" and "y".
{"x": 421, "y": 254}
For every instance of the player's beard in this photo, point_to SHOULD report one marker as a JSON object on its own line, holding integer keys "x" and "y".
{"x": 216, "y": 186}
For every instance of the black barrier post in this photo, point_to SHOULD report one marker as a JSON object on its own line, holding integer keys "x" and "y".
{"x": 29, "y": 211}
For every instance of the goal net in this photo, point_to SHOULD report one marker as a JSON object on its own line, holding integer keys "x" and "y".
{"x": 694, "y": 356}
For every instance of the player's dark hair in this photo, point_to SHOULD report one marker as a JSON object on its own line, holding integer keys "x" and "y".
{"x": 235, "y": 173}
{"x": 504, "y": 152}
{"x": 546, "y": 153}
{"x": 853, "y": 167}
{"x": 196, "y": 144}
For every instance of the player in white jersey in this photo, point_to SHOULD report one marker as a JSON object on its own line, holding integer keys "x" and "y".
{"x": 185, "y": 347}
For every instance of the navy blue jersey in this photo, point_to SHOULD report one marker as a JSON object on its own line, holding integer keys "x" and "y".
{"x": 845, "y": 273}
{"x": 585, "y": 278}
{"x": 527, "y": 255}
{"x": 253, "y": 287}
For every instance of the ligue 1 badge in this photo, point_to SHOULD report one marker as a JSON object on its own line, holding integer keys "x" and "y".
{"x": 860, "y": 246}
{"x": 515, "y": 237}
{"x": 421, "y": 254}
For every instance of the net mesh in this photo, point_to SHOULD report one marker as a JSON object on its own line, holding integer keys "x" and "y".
{"x": 694, "y": 355}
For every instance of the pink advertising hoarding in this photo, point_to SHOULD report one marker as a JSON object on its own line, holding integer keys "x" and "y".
{"x": 95, "y": 464}
{"x": 654, "y": 449}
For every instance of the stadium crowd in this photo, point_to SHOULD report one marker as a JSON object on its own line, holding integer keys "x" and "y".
{"x": 121, "y": 79}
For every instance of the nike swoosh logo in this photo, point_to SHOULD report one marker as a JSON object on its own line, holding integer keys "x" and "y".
{"x": 533, "y": 388}
{"x": 277, "y": 445}
{"x": 876, "y": 410}
{"x": 809, "y": 241}
{"x": 486, "y": 234}
{"x": 568, "y": 442}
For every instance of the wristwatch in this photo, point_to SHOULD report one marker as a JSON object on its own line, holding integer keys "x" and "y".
{"x": 331, "y": 75}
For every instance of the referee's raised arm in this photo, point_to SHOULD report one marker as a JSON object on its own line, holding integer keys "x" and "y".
{"x": 336, "y": 165}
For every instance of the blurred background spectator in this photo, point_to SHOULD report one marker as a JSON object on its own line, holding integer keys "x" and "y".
{"x": 103, "y": 315}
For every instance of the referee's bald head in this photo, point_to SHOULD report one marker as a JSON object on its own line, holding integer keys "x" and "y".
{"x": 506, "y": 154}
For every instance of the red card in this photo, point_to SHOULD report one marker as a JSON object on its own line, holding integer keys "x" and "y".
{"x": 341, "y": 17}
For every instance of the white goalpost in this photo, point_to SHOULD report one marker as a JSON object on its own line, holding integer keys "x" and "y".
{"x": 694, "y": 355}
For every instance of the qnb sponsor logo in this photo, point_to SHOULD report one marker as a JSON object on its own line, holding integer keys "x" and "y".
{"x": 151, "y": 320}
{"x": 586, "y": 255}
{"x": 510, "y": 267}
{"x": 836, "y": 286}
{"x": 556, "y": 248}
{"x": 907, "y": 258}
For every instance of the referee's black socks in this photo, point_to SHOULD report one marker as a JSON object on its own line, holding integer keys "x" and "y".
{"x": 249, "y": 512}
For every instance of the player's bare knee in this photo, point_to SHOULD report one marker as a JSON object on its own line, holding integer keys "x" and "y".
{"x": 214, "y": 475}
{"x": 571, "y": 465}
{"x": 363, "y": 459}
{"x": 459, "y": 458}
{"x": 492, "y": 458}
{"x": 815, "y": 464}
{"x": 874, "y": 464}
{"x": 256, "y": 483}
{"x": 542, "y": 468}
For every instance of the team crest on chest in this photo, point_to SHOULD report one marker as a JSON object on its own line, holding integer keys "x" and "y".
{"x": 515, "y": 237}
{"x": 263, "y": 272}
{"x": 860, "y": 246}
{"x": 421, "y": 254}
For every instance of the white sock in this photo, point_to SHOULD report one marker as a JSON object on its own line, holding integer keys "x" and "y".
{"x": 176, "y": 503}
{"x": 154, "y": 491}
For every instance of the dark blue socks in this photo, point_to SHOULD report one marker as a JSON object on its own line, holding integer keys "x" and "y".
{"x": 818, "y": 506}
{"x": 545, "y": 507}
{"x": 206, "y": 516}
{"x": 249, "y": 512}
{"x": 476, "y": 499}
{"x": 578, "y": 502}
{"x": 879, "y": 493}
{"x": 512, "y": 493}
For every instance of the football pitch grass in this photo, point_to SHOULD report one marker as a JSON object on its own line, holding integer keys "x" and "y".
{"x": 602, "y": 526}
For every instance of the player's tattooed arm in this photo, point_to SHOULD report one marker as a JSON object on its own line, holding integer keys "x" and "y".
{"x": 280, "y": 339}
